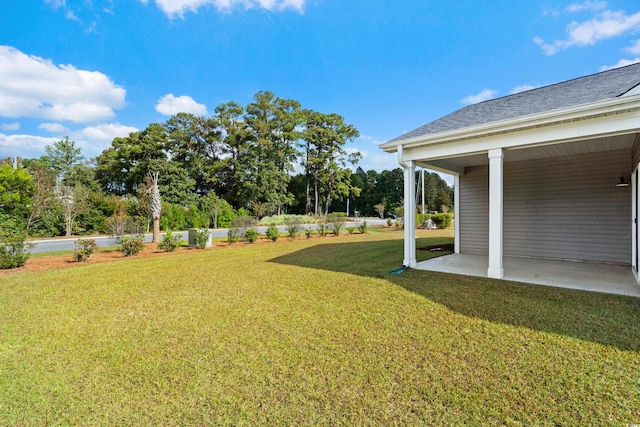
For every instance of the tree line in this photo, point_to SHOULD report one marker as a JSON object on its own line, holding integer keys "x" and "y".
{"x": 268, "y": 157}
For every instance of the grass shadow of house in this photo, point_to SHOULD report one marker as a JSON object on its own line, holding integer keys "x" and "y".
{"x": 602, "y": 318}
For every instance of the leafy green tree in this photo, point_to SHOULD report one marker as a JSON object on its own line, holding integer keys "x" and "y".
{"x": 64, "y": 157}
{"x": 325, "y": 157}
{"x": 274, "y": 124}
{"x": 125, "y": 166}
{"x": 16, "y": 191}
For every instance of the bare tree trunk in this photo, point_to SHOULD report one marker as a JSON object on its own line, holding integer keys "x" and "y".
{"x": 156, "y": 207}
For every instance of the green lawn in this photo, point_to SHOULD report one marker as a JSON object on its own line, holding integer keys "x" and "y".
{"x": 310, "y": 332}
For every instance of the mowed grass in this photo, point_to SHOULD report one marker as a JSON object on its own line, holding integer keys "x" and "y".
{"x": 310, "y": 332}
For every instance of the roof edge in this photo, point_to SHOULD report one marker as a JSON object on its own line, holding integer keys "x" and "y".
{"x": 576, "y": 112}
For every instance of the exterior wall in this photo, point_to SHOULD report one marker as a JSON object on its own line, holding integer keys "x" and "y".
{"x": 473, "y": 210}
{"x": 560, "y": 208}
{"x": 635, "y": 152}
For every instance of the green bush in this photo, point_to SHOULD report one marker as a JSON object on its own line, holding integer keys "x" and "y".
{"x": 323, "y": 229}
{"x": 14, "y": 250}
{"x": 233, "y": 235}
{"x": 273, "y": 233}
{"x": 201, "y": 237}
{"x": 336, "y": 222}
{"x": 282, "y": 219}
{"x": 83, "y": 249}
{"x": 421, "y": 218}
{"x": 389, "y": 222}
{"x": 294, "y": 226}
{"x": 308, "y": 232}
{"x": 442, "y": 220}
{"x": 351, "y": 230}
{"x": 131, "y": 245}
{"x": 251, "y": 235}
{"x": 169, "y": 242}
{"x": 337, "y": 215}
{"x": 362, "y": 227}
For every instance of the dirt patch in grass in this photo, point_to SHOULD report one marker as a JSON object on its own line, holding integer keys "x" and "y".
{"x": 438, "y": 248}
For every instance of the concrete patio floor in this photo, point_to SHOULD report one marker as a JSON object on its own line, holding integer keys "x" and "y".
{"x": 612, "y": 279}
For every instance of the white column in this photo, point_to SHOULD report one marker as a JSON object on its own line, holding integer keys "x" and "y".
{"x": 456, "y": 221}
{"x": 496, "y": 178}
{"x": 409, "y": 214}
{"x": 634, "y": 225}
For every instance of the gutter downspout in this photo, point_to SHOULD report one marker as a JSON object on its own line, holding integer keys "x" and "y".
{"x": 409, "y": 209}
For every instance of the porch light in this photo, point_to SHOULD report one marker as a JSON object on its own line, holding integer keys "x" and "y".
{"x": 623, "y": 181}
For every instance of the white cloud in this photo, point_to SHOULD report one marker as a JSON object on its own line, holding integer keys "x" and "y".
{"x": 10, "y": 126}
{"x": 621, "y": 63}
{"x": 170, "y": 105}
{"x": 56, "y": 3}
{"x": 370, "y": 139}
{"x": 92, "y": 139}
{"x": 522, "y": 88}
{"x": 25, "y": 146}
{"x": 634, "y": 49}
{"x": 605, "y": 25}
{"x": 484, "y": 95}
{"x": 587, "y": 5}
{"x": 379, "y": 162}
{"x": 105, "y": 133}
{"x": 34, "y": 87}
{"x": 53, "y": 127}
{"x": 177, "y": 8}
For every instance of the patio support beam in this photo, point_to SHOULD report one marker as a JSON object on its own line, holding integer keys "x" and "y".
{"x": 496, "y": 198}
{"x": 409, "y": 168}
{"x": 456, "y": 220}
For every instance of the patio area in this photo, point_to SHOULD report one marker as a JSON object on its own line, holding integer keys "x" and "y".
{"x": 607, "y": 278}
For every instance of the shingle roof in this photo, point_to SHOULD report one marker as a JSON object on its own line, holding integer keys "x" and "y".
{"x": 596, "y": 87}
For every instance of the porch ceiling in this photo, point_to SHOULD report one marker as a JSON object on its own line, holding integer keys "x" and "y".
{"x": 613, "y": 143}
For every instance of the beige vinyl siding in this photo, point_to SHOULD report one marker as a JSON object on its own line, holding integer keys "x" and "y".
{"x": 474, "y": 210}
{"x": 635, "y": 153}
{"x": 559, "y": 208}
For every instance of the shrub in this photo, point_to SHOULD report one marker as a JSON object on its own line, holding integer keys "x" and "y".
{"x": 338, "y": 215}
{"x": 323, "y": 229}
{"x": 442, "y": 220}
{"x": 251, "y": 235}
{"x": 233, "y": 235}
{"x": 169, "y": 242}
{"x": 362, "y": 227}
{"x": 308, "y": 232}
{"x": 351, "y": 230}
{"x": 14, "y": 249}
{"x": 336, "y": 223}
{"x": 131, "y": 245}
{"x": 421, "y": 218}
{"x": 201, "y": 237}
{"x": 83, "y": 249}
{"x": 242, "y": 224}
{"x": 121, "y": 226}
{"x": 389, "y": 222}
{"x": 294, "y": 226}
{"x": 273, "y": 233}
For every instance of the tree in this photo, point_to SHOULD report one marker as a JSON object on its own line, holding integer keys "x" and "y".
{"x": 325, "y": 157}
{"x": 16, "y": 190}
{"x": 73, "y": 201}
{"x": 156, "y": 207}
{"x": 63, "y": 157}
{"x": 125, "y": 166}
{"x": 274, "y": 133}
{"x": 380, "y": 209}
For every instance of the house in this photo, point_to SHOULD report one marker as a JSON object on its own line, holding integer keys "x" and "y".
{"x": 550, "y": 173}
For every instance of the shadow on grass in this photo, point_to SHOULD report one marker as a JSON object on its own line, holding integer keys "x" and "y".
{"x": 602, "y": 318}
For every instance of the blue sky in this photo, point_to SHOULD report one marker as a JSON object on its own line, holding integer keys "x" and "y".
{"x": 98, "y": 69}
